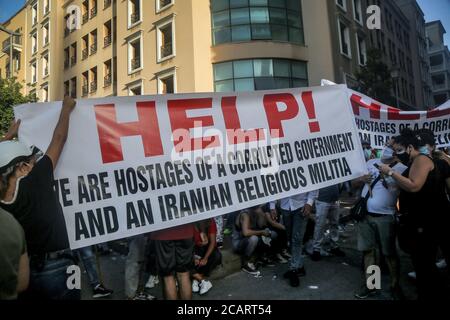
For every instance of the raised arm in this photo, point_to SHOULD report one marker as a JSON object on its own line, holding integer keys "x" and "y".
{"x": 60, "y": 134}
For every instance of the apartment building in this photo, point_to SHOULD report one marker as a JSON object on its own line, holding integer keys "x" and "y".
{"x": 439, "y": 57}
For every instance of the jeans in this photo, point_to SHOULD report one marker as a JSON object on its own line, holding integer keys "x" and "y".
{"x": 295, "y": 224}
{"x": 134, "y": 265}
{"x": 326, "y": 210}
{"x": 89, "y": 261}
{"x": 49, "y": 282}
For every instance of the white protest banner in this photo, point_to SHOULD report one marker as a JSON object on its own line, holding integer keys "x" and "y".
{"x": 377, "y": 122}
{"x": 133, "y": 165}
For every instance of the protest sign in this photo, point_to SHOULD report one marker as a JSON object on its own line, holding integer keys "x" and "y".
{"x": 133, "y": 165}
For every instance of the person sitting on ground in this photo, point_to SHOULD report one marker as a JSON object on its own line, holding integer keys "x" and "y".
{"x": 247, "y": 238}
{"x": 278, "y": 245}
{"x": 206, "y": 255}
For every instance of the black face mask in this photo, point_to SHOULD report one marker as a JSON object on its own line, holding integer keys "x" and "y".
{"x": 403, "y": 157}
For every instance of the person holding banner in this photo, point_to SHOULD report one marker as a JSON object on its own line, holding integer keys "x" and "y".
{"x": 421, "y": 200}
{"x": 27, "y": 193}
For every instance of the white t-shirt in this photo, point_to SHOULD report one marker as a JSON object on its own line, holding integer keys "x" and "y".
{"x": 383, "y": 199}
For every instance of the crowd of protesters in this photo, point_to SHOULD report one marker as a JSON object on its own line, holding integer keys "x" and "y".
{"x": 406, "y": 199}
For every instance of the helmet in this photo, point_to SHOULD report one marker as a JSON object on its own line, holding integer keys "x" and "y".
{"x": 11, "y": 152}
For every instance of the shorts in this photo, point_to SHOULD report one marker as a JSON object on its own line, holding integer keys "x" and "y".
{"x": 174, "y": 256}
{"x": 374, "y": 232}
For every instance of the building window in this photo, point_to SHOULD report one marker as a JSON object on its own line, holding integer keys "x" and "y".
{"x": 246, "y": 20}
{"x": 259, "y": 74}
{"x": 135, "y": 48}
{"x": 342, "y": 4}
{"x": 167, "y": 82}
{"x": 357, "y": 11}
{"x": 33, "y": 93}
{"x": 344, "y": 39}
{"x": 107, "y": 71}
{"x": 107, "y": 39}
{"x": 93, "y": 42}
{"x": 46, "y": 34}
{"x": 165, "y": 40}
{"x": 45, "y": 93}
{"x": 85, "y": 11}
{"x": 93, "y": 9}
{"x": 73, "y": 87}
{"x": 85, "y": 86}
{"x": 93, "y": 83}
{"x": 66, "y": 88}
{"x": 163, "y": 4}
{"x": 46, "y": 6}
{"x": 135, "y": 89}
{"x": 34, "y": 14}
{"x": 34, "y": 72}
{"x": 85, "y": 47}
{"x": 134, "y": 12}
{"x": 362, "y": 50}
{"x": 34, "y": 43}
{"x": 45, "y": 65}
{"x": 73, "y": 54}
{"x": 106, "y": 4}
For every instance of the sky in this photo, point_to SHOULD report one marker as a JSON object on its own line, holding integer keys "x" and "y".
{"x": 433, "y": 9}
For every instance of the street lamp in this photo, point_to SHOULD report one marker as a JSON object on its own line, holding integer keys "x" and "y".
{"x": 12, "y": 34}
{"x": 395, "y": 75}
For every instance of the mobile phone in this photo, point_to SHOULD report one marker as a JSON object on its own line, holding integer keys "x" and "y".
{"x": 376, "y": 165}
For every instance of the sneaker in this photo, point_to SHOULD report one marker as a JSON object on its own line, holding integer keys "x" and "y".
{"x": 412, "y": 275}
{"x": 195, "y": 286}
{"x": 365, "y": 292}
{"x": 144, "y": 296}
{"x": 250, "y": 269}
{"x": 316, "y": 256}
{"x": 152, "y": 282}
{"x": 205, "y": 286}
{"x": 337, "y": 252}
{"x": 397, "y": 293}
{"x": 441, "y": 264}
{"x": 101, "y": 292}
{"x": 280, "y": 259}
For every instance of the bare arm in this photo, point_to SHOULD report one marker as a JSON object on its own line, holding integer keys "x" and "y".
{"x": 23, "y": 274}
{"x": 246, "y": 231}
{"x": 60, "y": 134}
{"x": 273, "y": 222}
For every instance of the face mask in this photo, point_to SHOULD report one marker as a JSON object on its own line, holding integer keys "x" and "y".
{"x": 424, "y": 150}
{"x": 403, "y": 157}
{"x": 387, "y": 154}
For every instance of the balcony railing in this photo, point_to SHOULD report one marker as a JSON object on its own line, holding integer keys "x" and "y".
{"x": 73, "y": 61}
{"x": 438, "y": 67}
{"x": 106, "y": 3}
{"x": 439, "y": 86}
{"x": 84, "y": 54}
{"x": 93, "y": 12}
{"x": 107, "y": 80}
{"x": 166, "y": 50}
{"x": 107, "y": 41}
{"x": 85, "y": 17}
{"x": 93, "y": 86}
{"x": 135, "y": 17}
{"x": 135, "y": 63}
{"x": 84, "y": 90}
{"x": 93, "y": 48}
{"x": 16, "y": 39}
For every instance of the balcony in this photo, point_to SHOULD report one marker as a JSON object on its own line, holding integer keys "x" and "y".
{"x": 135, "y": 17}
{"x": 73, "y": 61}
{"x": 93, "y": 86}
{"x": 107, "y": 80}
{"x": 84, "y": 54}
{"x": 439, "y": 67}
{"x": 94, "y": 48}
{"x": 107, "y": 41}
{"x": 93, "y": 12}
{"x": 436, "y": 48}
{"x": 84, "y": 90}
{"x": 439, "y": 86}
{"x": 135, "y": 63}
{"x": 106, "y": 3}
{"x": 17, "y": 44}
{"x": 85, "y": 18}
{"x": 166, "y": 50}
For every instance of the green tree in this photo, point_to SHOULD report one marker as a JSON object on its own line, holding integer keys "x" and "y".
{"x": 10, "y": 96}
{"x": 375, "y": 78}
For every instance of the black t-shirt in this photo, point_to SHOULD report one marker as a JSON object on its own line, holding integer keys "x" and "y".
{"x": 38, "y": 210}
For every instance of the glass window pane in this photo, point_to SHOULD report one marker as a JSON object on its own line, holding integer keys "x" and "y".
{"x": 218, "y": 5}
{"x": 224, "y": 86}
{"x": 281, "y": 68}
{"x": 238, "y": 3}
{"x": 296, "y": 35}
{"x": 244, "y": 84}
{"x": 282, "y": 83}
{"x": 223, "y": 71}
{"x": 279, "y": 33}
{"x": 259, "y": 15}
{"x": 243, "y": 68}
{"x": 294, "y": 20}
{"x": 278, "y": 16}
{"x": 293, "y": 5}
{"x": 222, "y": 35}
{"x": 263, "y": 67}
{"x": 277, "y": 3}
{"x": 299, "y": 70}
{"x": 221, "y": 19}
{"x": 240, "y": 16}
{"x": 261, "y": 31}
{"x": 265, "y": 83}
{"x": 241, "y": 33}
{"x": 299, "y": 83}
{"x": 258, "y": 3}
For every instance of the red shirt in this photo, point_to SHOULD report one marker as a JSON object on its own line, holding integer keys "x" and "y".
{"x": 212, "y": 230}
{"x": 185, "y": 231}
